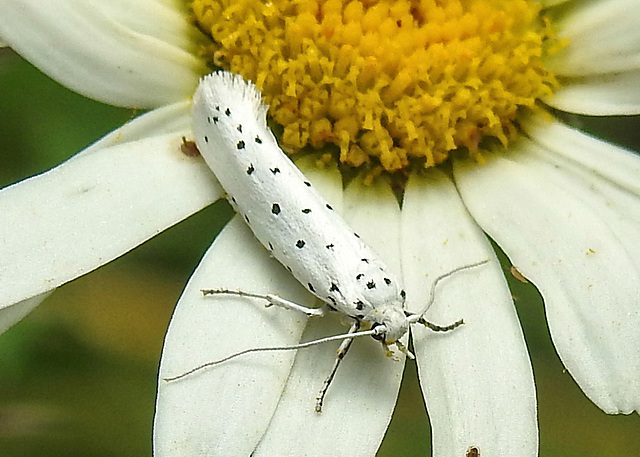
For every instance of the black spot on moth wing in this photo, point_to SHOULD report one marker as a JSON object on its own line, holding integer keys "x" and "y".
{"x": 258, "y": 140}
{"x": 307, "y": 183}
{"x": 311, "y": 287}
{"x": 330, "y": 246}
{"x": 371, "y": 285}
{"x": 387, "y": 281}
{"x": 306, "y": 211}
{"x": 240, "y": 144}
{"x": 227, "y": 112}
{"x": 239, "y": 128}
{"x": 275, "y": 170}
{"x": 275, "y": 209}
{"x": 300, "y": 244}
{"x": 251, "y": 169}
{"x": 329, "y": 207}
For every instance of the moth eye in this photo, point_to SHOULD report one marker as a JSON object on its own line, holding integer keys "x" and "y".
{"x": 380, "y": 336}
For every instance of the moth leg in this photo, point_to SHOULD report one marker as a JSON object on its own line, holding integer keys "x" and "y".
{"x": 342, "y": 351}
{"x": 402, "y": 348}
{"x": 271, "y": 301}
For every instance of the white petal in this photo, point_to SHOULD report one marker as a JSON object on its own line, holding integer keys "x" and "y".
{"x": 224, "y": 410}
{"x": 125, "y": 52}
{"x": 611, "y": 162}
{"x": 476, "y": 379}
{"x": 599, "y": 95}
{"x": 600, "y": 67}
{"x": 98, "y": 205}
{"x": 14, "y": 314}
{"x": 574, "y": 234}
{"x": 603, "y": 35}
{"x": 360, "y": 401}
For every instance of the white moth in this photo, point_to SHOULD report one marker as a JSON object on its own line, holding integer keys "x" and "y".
{"x": 293, "y": 221}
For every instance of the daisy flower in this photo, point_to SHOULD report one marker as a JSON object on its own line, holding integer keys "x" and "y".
{"x": 440, "y": 114}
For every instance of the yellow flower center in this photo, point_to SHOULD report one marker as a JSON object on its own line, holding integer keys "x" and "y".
{"x": 387, "y": 82}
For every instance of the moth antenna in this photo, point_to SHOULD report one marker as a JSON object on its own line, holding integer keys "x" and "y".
{"x": 432, "y": 295}
{"x": 345, "y": 336}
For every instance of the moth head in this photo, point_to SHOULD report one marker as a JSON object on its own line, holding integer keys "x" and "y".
{"x": 394, "y": 321}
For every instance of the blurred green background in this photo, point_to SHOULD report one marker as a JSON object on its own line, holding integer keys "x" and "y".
{"x": 78, "y": 375}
